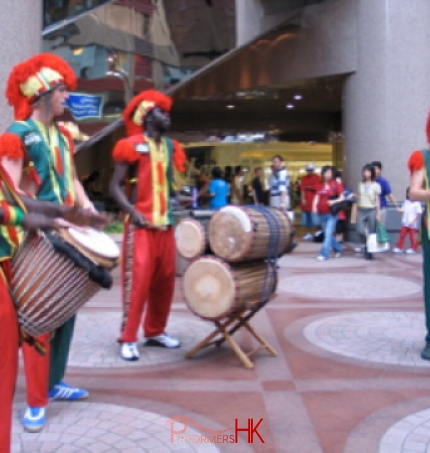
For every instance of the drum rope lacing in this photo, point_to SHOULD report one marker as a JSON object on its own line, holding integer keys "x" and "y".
{"x": 271, "y": 265}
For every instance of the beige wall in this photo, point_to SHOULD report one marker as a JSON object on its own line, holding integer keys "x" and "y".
{"x": 20, "y": 38}
{"x": 382, "y": 49}
{"x": 386, "y": 101}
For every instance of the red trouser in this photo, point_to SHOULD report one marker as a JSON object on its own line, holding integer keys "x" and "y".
{"x": 148, "y": 276}
{"x": 412, "y": 235}
{"x": 36, "y": 367}
{"x": 9, "y": 344}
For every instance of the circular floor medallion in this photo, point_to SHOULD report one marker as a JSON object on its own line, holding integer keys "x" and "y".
{"x": 348, "y": 286}
{"x": 103, "y": 428}
{"x": 394, "y": 338}
{"x": 411, "y": 434}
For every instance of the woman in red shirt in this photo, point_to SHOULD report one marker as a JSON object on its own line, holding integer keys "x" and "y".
{"x": 329, "y": 193}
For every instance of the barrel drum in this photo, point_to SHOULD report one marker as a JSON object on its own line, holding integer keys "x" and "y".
{"x": 192, "y": 238}
{"x": 243, "y": 233}
{"x": 213, "y": 289}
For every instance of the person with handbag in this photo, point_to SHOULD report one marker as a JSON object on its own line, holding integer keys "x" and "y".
{"x": 328, "y": 195}
{"x": 368, "y": 205}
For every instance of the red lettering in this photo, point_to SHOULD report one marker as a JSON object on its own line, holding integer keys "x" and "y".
{"x": 251, "y": 430}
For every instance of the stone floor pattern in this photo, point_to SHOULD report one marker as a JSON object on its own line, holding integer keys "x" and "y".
{"x": 347, "y": 377}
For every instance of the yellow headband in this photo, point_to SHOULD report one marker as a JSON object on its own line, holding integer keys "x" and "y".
{"x": 141, "y": 111}
{"x": 43, "y": 81}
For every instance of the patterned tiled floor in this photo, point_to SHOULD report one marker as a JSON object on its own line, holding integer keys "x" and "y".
{"x": 347, "y": 378}
{"x": 309, "y": 261}
{"x": 95, "y": 344}
{"x": 409, "y": 435}
{"x": 349, "y": 286}
{"x": 380, "y": 337}
{"x": 96, "y": 428}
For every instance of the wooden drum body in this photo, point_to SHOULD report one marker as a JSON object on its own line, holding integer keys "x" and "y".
{"x": 239, "y": 233}
{"x": 51, "y": 280}
{"x": 213, "y": 289}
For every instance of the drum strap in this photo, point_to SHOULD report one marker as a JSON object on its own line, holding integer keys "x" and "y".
{"x": 272, "y": 252}
{"x": 271, "y": 270}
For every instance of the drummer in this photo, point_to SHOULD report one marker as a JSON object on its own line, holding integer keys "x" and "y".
{"x": 38, "y": 89}
{"x": 149, "y": 244}
{"x": 12, "y": 219}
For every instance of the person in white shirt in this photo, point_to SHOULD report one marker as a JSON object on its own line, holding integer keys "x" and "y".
{"x": 279, "y": 183}
{"x": 237, "y": 186}
{"x": 412, "y": 211}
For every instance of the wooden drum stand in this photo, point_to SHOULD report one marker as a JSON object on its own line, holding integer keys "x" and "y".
{"x": 229, "y": 294}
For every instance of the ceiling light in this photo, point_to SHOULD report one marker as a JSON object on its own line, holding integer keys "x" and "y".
{"x": 290, "y": 106}
{"x": 230, "y": 106}
{"x": 298, "y": 97}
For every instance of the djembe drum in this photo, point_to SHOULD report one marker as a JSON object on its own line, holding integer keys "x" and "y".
{"x": 213, "y": 289}
{"x": 52, "y": 278}
{"x": 242, "y": 233}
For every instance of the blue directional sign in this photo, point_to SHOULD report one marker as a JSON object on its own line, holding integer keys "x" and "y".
{"x": 85, "y": 105}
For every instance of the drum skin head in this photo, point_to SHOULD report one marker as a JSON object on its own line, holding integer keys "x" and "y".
{"x": 231, "y": 233}
{"x": 190, "y": 239}
{"x": 96, "y": 241}
{"x": 209, "y": 288}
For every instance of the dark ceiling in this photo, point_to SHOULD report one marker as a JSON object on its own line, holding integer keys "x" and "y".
{"x": 213, "y": 101}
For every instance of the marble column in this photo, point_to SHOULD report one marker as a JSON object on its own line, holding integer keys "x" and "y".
{"x": 249, "y": 15}
{"x": 20, "y": 38}
{"x": 386, "y": 101}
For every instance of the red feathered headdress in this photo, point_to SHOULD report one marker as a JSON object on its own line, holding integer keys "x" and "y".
{"x": 136, "y": 110}
{"x": 34, "y": 77}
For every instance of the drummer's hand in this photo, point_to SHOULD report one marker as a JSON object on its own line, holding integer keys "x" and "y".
{"x": 86, "y": 217}
{"x": 61, "y": 223}
{"x": 33, "y": 221}
{"x": 138, "y": 219}
{"x": 89, "y": 207}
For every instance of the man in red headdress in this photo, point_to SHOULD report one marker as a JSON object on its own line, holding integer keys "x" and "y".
{"x": 147, "y": 159}
{"x": 38, "y": 155}
{"x": 419, "y": 166}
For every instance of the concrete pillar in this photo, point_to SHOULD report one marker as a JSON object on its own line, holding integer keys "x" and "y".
{"x": 254, "y": 17}
{"x": 20, "y": 38}
{"x": 387, "y": 100}
{"x": 249, "y": 15}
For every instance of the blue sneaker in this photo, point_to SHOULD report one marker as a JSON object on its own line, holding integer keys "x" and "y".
{"x": 34, "y": 419}
{"x": 66, "y": 392}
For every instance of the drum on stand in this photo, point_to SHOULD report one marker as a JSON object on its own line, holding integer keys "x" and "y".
{"x": 191, "y": 238}
{"x": 52, "y": 279}
{"x": 242, "y": 233}
{"x": 214, "y": 289}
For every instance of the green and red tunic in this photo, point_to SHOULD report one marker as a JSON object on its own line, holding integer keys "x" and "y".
{"x": 154, "y": 175}
{"x": 11, "y": 233}
{"x": 48, "y": 156}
